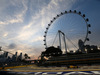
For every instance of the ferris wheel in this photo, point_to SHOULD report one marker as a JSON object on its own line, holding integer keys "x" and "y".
{"x": 73, "y": 24}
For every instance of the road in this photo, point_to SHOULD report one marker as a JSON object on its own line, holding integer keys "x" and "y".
{"x": 33, "y": 69}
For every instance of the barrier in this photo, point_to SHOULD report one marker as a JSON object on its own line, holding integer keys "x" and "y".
{"x": 57, "y": 73}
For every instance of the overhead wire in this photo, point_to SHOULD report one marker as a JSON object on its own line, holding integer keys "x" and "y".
{"x": 54, "y": 39}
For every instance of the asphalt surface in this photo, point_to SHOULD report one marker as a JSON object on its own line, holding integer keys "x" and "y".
{"x": 35, "y": 70}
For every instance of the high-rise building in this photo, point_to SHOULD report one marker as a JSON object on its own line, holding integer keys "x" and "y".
{"x": 13, "y": 58}
{"x": 16, "y": 56}
{"x": 20, "y": 57}
{"x": 5, "y": 54}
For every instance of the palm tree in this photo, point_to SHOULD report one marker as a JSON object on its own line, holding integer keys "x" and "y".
{"x": 26, "y": 56}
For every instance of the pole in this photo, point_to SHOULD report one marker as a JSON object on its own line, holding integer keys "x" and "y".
{"x": 65, "y": 43}
{"x": 59, "y": 39}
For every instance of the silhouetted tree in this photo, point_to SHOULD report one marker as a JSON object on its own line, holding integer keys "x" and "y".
{"x": 52, "y": 51}
{"x": 26, "y": 56}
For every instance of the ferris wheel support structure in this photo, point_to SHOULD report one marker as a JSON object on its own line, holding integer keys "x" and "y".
{"x": 60, "y": 32}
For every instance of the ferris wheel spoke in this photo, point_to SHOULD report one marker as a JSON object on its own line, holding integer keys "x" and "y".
{"x": 71, "y": 42}
{"x": 54, "y": 39}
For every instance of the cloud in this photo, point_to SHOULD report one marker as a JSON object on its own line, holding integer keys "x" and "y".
{"x": 23, "y": 22}
{"x": 25, "y": 35}
{"x": 13, "y": 12}
{"x": 52, "y": 9}
{"x": 12, "y": 46}
{"x": 39, "y": 38}
{"x": 5, "y": 34}
{"x": 40, "y": 20}
{"x": 17, "y": 20}
{"x": 1, "y": 22}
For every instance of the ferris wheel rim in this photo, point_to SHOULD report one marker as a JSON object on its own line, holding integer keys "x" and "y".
{"x": 68, "y": 12}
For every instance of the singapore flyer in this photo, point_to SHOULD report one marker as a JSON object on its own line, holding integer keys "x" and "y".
{"x": 66, "y": 29}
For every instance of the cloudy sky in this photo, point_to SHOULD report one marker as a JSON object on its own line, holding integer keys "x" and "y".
{"x": 23, "y": 22}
